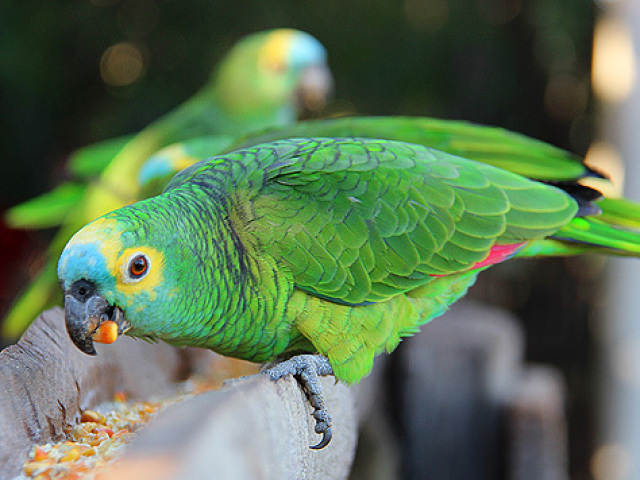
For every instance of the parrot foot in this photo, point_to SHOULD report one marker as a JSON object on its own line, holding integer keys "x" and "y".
{"x": 306, "y": 369}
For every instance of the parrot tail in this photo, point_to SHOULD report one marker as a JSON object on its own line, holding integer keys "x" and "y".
{"x": 614, "y": 230}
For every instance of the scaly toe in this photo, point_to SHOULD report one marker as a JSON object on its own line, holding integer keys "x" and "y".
{"x": 306, "y": 370}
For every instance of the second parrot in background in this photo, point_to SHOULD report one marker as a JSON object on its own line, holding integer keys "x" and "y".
{"x": 265, "y": 80}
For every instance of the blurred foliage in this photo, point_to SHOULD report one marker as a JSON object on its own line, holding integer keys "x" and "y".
{"x": 523, "y": 65}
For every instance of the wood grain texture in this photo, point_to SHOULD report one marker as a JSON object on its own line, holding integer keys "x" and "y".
{"x": 252, "y": 428}
{"x": 46, "y": 383}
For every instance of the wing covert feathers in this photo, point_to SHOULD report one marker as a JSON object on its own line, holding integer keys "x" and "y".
{"x": 361, "y": 220}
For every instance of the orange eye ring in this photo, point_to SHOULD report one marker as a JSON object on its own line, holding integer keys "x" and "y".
{"x": 139, "y": 266}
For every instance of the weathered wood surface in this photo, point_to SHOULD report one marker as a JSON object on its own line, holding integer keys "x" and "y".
{"x": 469, "y": 408}
{"x": 46, "y": 382}
{"x": 259, "y": 428}
{"x": 252, "y": 429}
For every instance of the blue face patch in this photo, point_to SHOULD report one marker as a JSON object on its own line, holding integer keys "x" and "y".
{"x": 306, "y": 50}
{"x": 82, "y": 261}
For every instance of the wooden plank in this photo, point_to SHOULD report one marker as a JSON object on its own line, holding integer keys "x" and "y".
{"x": 255, "y": 427}
{"x": 252, "y": 429}
{"x": 47, "y": 381}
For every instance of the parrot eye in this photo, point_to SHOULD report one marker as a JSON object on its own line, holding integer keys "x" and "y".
{"x": 139, "y": 266}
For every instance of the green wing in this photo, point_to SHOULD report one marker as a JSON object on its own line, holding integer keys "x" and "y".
{"x": 491, "y": 145}
{"x": 46, "y": 210}
{"x": 360, "y": 220}
{"x": 615, "y": 231}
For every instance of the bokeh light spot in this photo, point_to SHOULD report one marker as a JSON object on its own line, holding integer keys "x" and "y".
{"x": 122, "y": 64}
{"x": 626, "y": 362}
{"x": 554, "y": 49}
{"x": 614, "y": 65}
{"x": 426, "y": 15}
{"x": 499, "y": 12}
{"x": 604, "y": 158}
{"x": 565, "y": 97}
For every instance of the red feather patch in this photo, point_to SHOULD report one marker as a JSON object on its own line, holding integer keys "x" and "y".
{"x": 497, "y": 254}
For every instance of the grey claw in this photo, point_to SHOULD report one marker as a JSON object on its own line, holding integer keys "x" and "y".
{"x": 326, "y": 438}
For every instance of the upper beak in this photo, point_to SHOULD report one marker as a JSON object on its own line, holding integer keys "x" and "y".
{"x": 315, "y": 88}
{"x": 83, "y": 318}
{"x": 84, "y": 315}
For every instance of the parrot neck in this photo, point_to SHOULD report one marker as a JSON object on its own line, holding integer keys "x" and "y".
{"x": 248, "y": 114}
{"x": 227, "y": 287}
{"x": 251, "y": 107}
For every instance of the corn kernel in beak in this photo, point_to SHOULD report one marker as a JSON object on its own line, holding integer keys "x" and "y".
{"x": 107, "y": 332}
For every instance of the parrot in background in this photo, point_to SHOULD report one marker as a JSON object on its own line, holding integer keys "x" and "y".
{"x": 321, "y": 253}
{"x": 491, "y": 145}
{"x": 264, "y": 80}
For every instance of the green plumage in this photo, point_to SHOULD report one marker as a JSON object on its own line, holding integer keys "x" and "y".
{"x": 495, "y": 146}
{"x": 336, "y": 246}
{"x": 258, "y": 84}
{"x": 615, "y": 230}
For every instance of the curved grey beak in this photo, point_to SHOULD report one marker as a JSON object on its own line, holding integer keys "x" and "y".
{"x": 315, "y": 88}
{"x": 84, "y": 311}
{"x": 83, "y": 318}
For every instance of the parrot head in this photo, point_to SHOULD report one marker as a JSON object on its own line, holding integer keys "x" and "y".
{"x": 113, "y": 270}
{"x": 283, "y": 71}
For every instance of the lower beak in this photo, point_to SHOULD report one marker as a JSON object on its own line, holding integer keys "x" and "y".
{"x": 84, "y": 318}
{"x": 315, "y": 88}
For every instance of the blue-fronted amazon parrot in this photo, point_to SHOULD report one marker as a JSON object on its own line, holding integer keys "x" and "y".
{"x": 338, "y": 247}
{"x": 491, "y": 145}
{"x": 265, "y": 80}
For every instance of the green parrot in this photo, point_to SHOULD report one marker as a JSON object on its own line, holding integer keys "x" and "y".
{"x": 491, "y": 145}
{"x": 495, "y": 146}
{"x": 265, "y": 80}
{"x": 319, "y": 253}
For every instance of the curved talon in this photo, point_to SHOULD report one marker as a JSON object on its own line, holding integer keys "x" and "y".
{"x": 306, "y": 369}
{"x": 326, "y": 438}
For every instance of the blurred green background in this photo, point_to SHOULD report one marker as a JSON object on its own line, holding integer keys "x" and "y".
{"x": 523, "y": 65}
